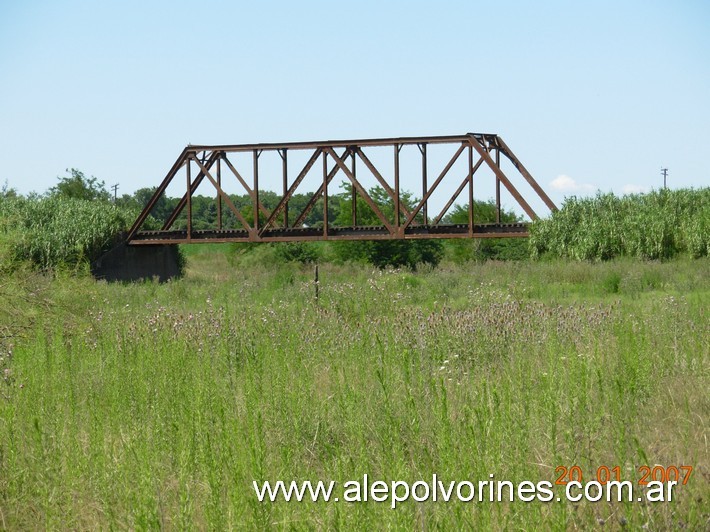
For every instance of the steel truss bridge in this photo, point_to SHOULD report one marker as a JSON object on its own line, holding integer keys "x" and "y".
{"x": 348, "y": 157}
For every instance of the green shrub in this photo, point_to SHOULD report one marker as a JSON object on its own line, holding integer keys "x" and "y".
{"x": 303, "y": 252}
{"x": 391, "y": 253}
{"x": 611, "y": 282}
{"x": 481, "y": 249}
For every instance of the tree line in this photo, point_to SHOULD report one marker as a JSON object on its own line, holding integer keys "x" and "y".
{"x": 77, "y": 219}
{"x": 76, "y": 189}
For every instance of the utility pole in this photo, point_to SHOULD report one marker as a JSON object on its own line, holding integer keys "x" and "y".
{"x": 664, "y": 172}
{"x": 115, "y": 190}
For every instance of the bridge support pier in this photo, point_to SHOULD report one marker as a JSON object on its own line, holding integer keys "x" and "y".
{"x": 134, "y": 263}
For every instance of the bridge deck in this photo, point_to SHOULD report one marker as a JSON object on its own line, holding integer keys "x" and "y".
{"x": 291, "y": 234}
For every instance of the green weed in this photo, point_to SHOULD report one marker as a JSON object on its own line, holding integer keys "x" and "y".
{"x": 156, "y": 406}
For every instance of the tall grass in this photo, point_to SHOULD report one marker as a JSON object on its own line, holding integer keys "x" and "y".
{"x": 657, "y": 225}
{"x": 148, "y": 406}
{"x": 53, "y": 231}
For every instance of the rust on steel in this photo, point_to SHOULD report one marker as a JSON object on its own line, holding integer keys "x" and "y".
{"x": 200, "y": 163}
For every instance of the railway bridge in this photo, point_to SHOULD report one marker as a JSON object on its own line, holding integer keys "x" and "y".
{"x": 400, "y": 164}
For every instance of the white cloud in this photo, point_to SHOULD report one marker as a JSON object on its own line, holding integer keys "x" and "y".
{"x": 633, "y": 189}
{"x": 565, "y": 183}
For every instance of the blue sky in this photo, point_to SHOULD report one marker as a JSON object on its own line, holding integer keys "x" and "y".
{"x": 590, "y": 95}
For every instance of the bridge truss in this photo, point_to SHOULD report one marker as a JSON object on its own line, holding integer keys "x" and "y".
{"x": 212, "y": 164}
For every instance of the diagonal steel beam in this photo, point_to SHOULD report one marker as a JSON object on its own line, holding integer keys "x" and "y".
{"x": 392, "y": 194}
{"x": 156, "y": 195}
{"x": 239, "y": 177}
{"x": 431, "y": 190}
{"x": 360, "y": 190}
{"x": 457, "y": 193}
{"x": 318, "y": 193}
{"x": 529, "y": 178}
{"x": 224, "y": 196}
{"x": 501, "y": 175}
{"x": 291, "y": 191}
{"x": 183, "y": 201}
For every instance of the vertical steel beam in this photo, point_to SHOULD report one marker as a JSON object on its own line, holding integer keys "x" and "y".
{"x": 365, "y": 196}
{"x": 206, "y": 173}
{"x": 397, "y": 224}
{"x": 244, "y": 184}
{"x": 455, "y": 195}
{"x": 315, "y": 196}
{"x": 255, "y": 196}
{"x": 183, "y": 200}
{"x": 325, "y": 194}
{"x": 354, "y": 193}
{"x": 422, "y": 148}
{"x": 483, "y": 153}
{"x": 283, "y": 202}
{"x": 189, "y": 198}
{"x": 284, "y": 161}
{"x": 470, "y": 190}
{"x": 497, "y": 187}
{"x": 219, "y": 196}
{"x": 381, "y": 180}
{"x": 422, "y": 202}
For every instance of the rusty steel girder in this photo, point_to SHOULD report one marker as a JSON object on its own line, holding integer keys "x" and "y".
{"x": 208, "y": 163}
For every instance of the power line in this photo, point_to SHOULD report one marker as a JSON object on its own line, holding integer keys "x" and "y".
{"x": 664, "y": 172}
{"x": 115, "y": 191}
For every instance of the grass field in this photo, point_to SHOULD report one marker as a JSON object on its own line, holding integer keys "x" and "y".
{"x": 146, "y": 406}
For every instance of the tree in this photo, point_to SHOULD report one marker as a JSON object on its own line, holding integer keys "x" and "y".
{"x": 486, "y": 248}
{"x": 77, "y": 185}
{"x": 383, "y": 253}
{"x": 483, "y": 212}
{"x": 7, "y": 192}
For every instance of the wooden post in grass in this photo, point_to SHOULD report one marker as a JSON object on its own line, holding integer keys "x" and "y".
{"x": 316, "y": 281}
